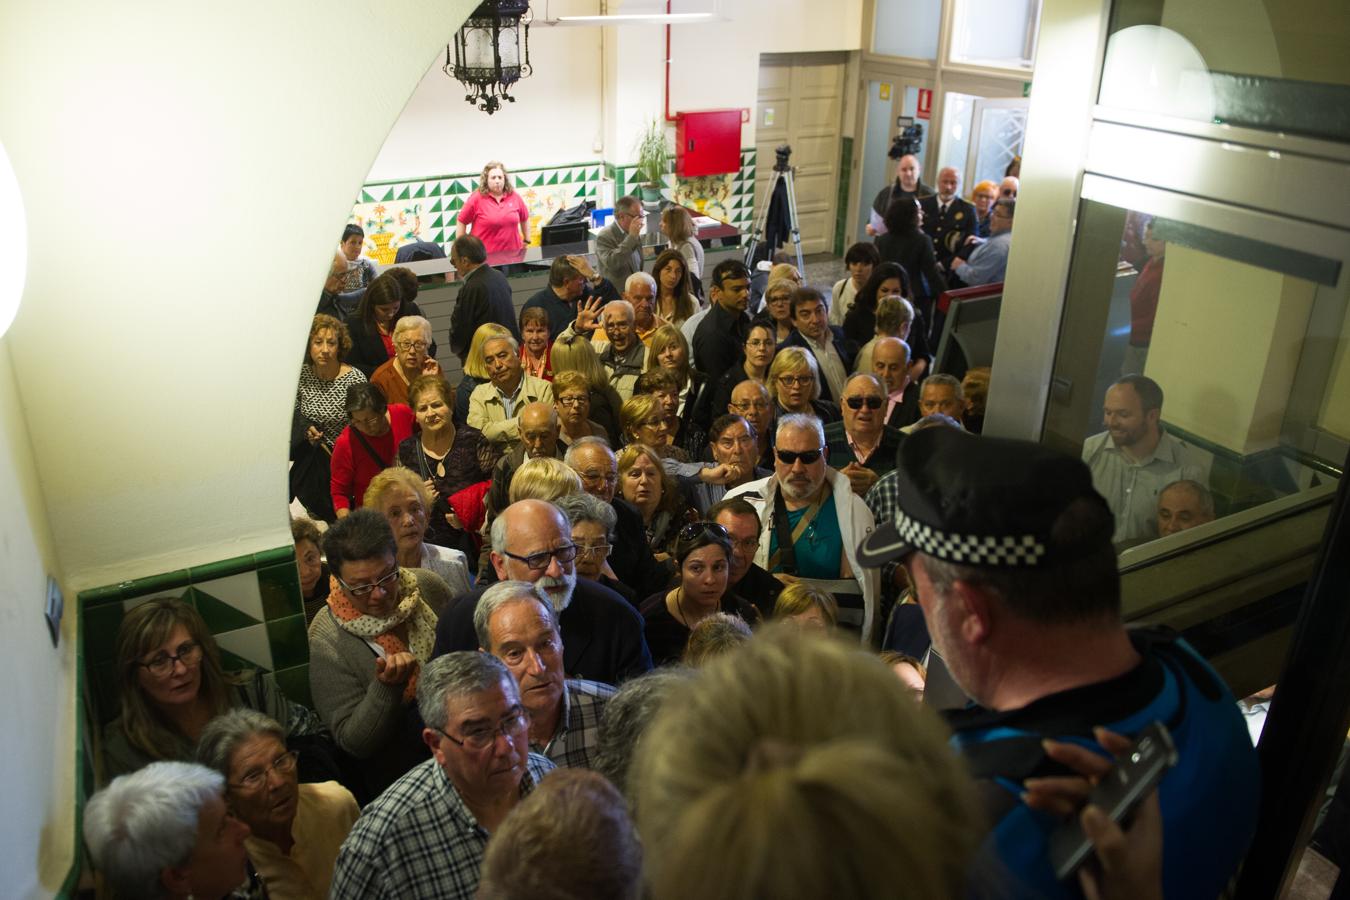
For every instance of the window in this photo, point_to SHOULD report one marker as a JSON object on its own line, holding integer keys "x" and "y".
{"x": 907, "y": 28}
{"x": 997, "y": 33}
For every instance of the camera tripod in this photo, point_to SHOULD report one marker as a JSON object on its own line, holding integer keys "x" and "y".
{"x": 782, "y": 171}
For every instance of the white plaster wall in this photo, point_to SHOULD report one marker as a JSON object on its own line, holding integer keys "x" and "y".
{"x": 566, "y": 107}
{"x": 144, "y": 425}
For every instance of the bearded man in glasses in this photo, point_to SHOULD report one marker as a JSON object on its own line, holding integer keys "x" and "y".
{"x": 812, "y": 520}
{"x": 862, "y": 446}
{"x": 601, "y": 632}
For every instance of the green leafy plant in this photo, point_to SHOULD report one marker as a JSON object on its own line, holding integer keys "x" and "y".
{"x": 653, "y": 154}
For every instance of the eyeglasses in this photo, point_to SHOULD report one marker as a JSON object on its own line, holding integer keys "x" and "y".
{"x": 858, "y": 402}
{"x": 256, "y": 779}
{"x": 573, "y": 401}
{"x": 189, "y": 654}
{"x": 590, "y": 551}
{"x": 795, "y": 380}
{"x": 752, "y": 404}
{"x": 606, "y": 477}
{"x": 760, "y": 345}
{"x": 362, "y": 590}
{"x": 538, "y": 562}
{"x": 696, "y": 529}
{"x": 653, "y": 423}
{"x": 482, "y": 738}
{"x": 808, "y": 457}
{"x": 411, "y": 345}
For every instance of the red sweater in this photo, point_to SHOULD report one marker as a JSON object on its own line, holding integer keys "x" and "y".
{"x": 352, "y": 467}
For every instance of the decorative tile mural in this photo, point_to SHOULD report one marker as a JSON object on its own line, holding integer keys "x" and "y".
{"x": 402, "y": 212}
{"x": 251, "y": 604}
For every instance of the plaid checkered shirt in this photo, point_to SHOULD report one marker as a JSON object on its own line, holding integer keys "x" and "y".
{"x": 574, "y": 744}
{"x": 418, "y": 839}
{"x": 883, "y": 499}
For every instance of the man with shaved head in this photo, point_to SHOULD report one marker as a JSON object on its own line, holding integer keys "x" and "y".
{"x": 947, "y": 218}
{"x": 906, "y": 184}
{"x": 601, "y": 633}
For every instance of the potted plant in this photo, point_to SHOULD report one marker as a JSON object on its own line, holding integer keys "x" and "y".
{"x": 653, "y": 160}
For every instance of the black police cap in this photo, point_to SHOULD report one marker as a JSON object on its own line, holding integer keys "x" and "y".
{"x": 986, "y": 501}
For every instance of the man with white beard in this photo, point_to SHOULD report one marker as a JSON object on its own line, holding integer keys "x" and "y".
{"x": 812, "y": 521}
{"x": 602, "y": 634}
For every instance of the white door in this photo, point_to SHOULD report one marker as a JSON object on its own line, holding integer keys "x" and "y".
{"x": 801, "y": 104}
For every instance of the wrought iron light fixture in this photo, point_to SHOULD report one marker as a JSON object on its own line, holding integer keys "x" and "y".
{"x": 486, "y": 56}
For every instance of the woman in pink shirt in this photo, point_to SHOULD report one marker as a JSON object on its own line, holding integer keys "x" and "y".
{"x": 495, "y": 214}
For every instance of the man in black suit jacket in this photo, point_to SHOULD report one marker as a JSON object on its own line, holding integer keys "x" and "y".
{"x": 890, "y": 363}
{"x": 947, "y": 219}
{"x": 484, "y": 295}
{"x": 834, "y": 353}
{"x": 718, "y": 338}
{"x": 602, "y": 634}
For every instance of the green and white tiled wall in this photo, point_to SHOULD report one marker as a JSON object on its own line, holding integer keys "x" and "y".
{"x": 250, "y": 603}
{"x": 394, "y": 213}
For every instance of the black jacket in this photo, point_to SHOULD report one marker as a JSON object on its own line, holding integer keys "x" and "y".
{"x": 601, "y": 633}
{"x": 632, "y": 559}
{"x": 914, "y": 253}
{"x": 718, "y": 341}
{"x": 948, "y": 231}
{"x": 368, "y": 352}
{"x": 484, "y": 297}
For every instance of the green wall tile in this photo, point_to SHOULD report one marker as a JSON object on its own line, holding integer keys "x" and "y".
{"x": 294, "y": 683}
{"x": 102, "y": 682}
{"x": 219, "y": 615}
{"x": 224, "y": 568}
{"x": 279, "y": 587}
{"x": 169, "y": 584}
{"x": 96, "y": 596}
{"x": 100, "y": 631}
{"x": 284, "y": 553}
{"x": 290, "y": 642}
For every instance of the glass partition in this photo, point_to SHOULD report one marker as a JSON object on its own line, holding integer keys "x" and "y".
{"x": 1268, "y": 64}
{"x": 997, "y": 33}
{"x": 906, "y": 28}
{"x": 1202, "y": 371}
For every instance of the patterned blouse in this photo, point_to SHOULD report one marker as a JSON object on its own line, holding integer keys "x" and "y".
{"x": 323, "y": 403}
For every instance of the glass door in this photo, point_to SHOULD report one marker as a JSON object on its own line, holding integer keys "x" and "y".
{"x": 998, "y": 127}
{"x": 894, "y": 103}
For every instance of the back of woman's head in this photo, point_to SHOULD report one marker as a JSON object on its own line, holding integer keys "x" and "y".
{"x": 544, "y": 478}
{"x": 902, "y": 216}
{"x": 758, "y": 779}
{"x": 575, "y": 354}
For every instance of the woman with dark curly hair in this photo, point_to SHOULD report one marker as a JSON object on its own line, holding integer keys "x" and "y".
{"x": 700, "y": 589}
{"x": 320, "y": 413}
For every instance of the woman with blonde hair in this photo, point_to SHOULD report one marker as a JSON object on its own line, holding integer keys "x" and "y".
{"x": 405, "y": 502}
{"x": 495, "y": 213}
{"x": 544, "y": 478}
{"x": 412, "y": 337}
{"x": 475, "y": 367}
{"x": 808, "y": 606}
{"x": 645, "y": 421}
{"x": 574, "y": 353}
{"x": 794, "y": 385}
{"x": 894, "y": 316}
{"x": 170, "y": 683}
{"x": 678, "y": 227}
{"x": 778, "y": 307}
{"x": 750, "y": 771}
{"x": 644, "y": 483}
{"x": 675, "y": 300}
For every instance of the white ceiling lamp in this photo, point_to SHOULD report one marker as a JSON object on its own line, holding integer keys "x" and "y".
{"x": 643, "y": 18}
{"x": 14, "y": 238}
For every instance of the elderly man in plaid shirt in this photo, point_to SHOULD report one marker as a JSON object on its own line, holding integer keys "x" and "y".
{"x": 517, "y": 624}
{"x": 425, "y": 836}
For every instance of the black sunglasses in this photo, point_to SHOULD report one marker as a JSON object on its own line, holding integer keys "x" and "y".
{"x": 696, "y": 529}
{"x": 788, "y": 457}
{"x": 857, "y": 402}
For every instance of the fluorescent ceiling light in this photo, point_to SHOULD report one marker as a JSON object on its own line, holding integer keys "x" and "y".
{"x": 635, "y": 19}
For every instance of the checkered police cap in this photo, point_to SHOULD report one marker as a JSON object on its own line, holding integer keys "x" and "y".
{"x": 983, "y": 501}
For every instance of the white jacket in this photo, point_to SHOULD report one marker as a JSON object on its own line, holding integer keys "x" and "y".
{"x": 855, "y": 524}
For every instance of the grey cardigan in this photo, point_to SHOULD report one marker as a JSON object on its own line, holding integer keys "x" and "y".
{"x": 361, "y": 711}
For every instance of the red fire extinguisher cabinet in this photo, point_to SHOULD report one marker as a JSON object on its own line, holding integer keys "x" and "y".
{"x": 707, "y": 142}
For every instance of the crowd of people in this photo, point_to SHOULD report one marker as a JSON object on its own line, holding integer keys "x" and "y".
{"x": 672, "y": 563}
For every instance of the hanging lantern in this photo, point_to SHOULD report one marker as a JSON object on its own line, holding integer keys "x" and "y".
{"x": 486, "y": 56}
